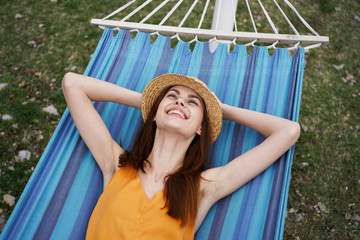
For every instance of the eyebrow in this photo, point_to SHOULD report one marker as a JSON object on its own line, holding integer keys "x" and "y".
{"x": 190, "y": 95}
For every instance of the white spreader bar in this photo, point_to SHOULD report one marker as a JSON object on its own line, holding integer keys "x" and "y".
{"x": 305, "y": 40}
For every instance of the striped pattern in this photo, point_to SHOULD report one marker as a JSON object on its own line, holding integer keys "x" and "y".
{"x": 61, "y": 193}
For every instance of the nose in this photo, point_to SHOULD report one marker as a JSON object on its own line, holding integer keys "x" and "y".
{"x": 180, "y": 101}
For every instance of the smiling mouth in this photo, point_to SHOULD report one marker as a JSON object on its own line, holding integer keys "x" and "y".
{"x": 174, "y": 111}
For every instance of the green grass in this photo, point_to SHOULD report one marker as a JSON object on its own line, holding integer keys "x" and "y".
{"x": 329, "y": 115}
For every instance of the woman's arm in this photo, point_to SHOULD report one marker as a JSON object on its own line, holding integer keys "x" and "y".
{"x": 280, "y": 135}
{"x": 79, "y": 91}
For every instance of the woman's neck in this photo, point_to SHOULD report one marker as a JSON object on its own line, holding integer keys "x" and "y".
{"x": 167, "y": 154}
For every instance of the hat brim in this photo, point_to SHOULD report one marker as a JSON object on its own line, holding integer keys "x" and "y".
{"x": 158, "y": 84}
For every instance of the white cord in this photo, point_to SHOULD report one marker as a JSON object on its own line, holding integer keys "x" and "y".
{"x": 136, "y": 10}
{"x": 195, "y": 39}
{"x": 171, "y": 12}
{"x": 119, "y": 10}
{"x": 268, "y": 18}
{"x": 273, "y": 45}
{"x": 188, "y": 13}
{"x": 294, "y": 47}
{"x": 288, "y": 21}
{"x": 312, "y": 46}
{"x": 154, "y": 11}
{"x": 251, "y": 43}
{"x": 203, "y": 14}
{"x": 301, "y": 18}
{"x": 252, "y": 18}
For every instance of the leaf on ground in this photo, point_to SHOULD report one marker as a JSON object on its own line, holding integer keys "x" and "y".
{"x": 3, "y": 85}
{"x": 9, "y": 199}
{"x": 50, "y": 109}
{"x": 22, "y": 155}
{"x": 6, "y": 117}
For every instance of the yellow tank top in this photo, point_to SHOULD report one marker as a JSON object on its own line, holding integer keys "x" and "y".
{"x": 124, "y": 211}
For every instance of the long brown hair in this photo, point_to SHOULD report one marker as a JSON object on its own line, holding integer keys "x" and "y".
{"x": 182, "y": 187}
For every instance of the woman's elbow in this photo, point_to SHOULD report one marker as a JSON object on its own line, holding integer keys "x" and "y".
{"x": 68, "y": 81}
{"x": 294, "y": 131}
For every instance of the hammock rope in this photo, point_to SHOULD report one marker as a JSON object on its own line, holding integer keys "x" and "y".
{"x": 268, "y": 18}
{"x": 286, "y": 18}
{"x": 301, "y": 18}
{"x": 251, "y": 15}
{"x": 307, "y": 41}
{"x": 171, "y": 12}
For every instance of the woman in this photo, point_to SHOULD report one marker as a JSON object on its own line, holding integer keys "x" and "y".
{"x": 160, "y": 189}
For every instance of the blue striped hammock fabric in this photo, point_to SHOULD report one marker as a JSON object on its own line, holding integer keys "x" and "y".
{"x": 63, "y": 189}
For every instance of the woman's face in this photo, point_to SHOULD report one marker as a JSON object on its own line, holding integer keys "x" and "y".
{"x": 182, "y": 111}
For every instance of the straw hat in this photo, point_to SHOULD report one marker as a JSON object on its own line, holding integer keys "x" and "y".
{"x": 155, "y": 87}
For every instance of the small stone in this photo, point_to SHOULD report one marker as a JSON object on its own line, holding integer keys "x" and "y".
{"x": 6, "y": 117}
{"x": 41, "y": 25}
{"x": 24, "y": 103}
{"x": 53, "y": 1}
{"x": 348, "y": 216}
{"x": 304, "y": 127}
{"x": 338, "y": 67}
{"x": 349, "y": 77}
{"x": 86, "y": 36}
{"x": 18, "y": 16}
{"x": 321, "y": 206}
{"x": 53, "y": 80}
{"x": 22, "y": 155}
{"x": 356, "y": 218}
{"x": 51, "y": 109}
{"x": 66, "y": 69}
{"x": 292, "y": 210}
{"x": 16, "y": 68}
{"x": 31, "y": 43}
{"x": 337, "y": 9}
{"x": 15, "y": 125}
{"x": 10, "y": 200}
{"x": 298, "y": 217}
{"x": 304, "y": 164}
{"x": 73, "y": 68}
{"x": 3, "y": 85}
{"x": 37, "y": 74}
{"x": 357, "y": 18}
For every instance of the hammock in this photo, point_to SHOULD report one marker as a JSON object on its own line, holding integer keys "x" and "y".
{"x": 63, "y": 189}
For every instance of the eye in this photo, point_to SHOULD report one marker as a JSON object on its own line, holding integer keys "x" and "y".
{"x": 193, "y": 102}
{"x": 171, "y": 95}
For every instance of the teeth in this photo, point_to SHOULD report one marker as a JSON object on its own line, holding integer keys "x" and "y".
{"x": 177, "y": 112}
